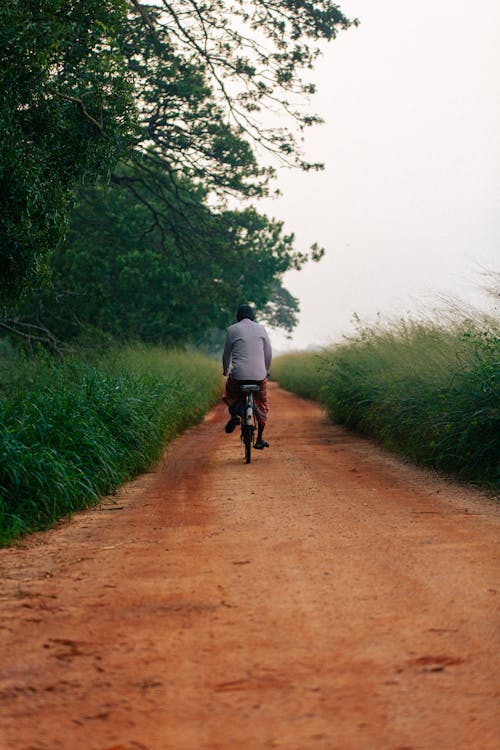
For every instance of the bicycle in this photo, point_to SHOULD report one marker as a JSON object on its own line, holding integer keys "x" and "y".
{"x": 248, "y": 420}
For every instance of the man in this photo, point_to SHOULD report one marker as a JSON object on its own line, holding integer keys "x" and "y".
{"x": 248, "y": 350}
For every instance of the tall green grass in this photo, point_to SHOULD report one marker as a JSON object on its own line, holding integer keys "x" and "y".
{"x": 73, "y": 430}
{"x": 428, "y": 391}
{"x": 299, "y": 372}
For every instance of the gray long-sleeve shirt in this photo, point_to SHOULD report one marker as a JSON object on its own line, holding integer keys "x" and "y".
{"x": 248, "y": 349}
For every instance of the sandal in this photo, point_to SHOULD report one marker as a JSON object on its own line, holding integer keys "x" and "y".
{"x": 259, "y": 445}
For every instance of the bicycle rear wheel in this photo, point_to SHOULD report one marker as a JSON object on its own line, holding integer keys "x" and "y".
{"x": 248, "y": 419}
{"x": 247, "y": 427}
{"x": 247, "y": 441}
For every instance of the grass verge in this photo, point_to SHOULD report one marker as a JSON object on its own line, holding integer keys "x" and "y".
{"x": 75, "y": 430}
{"x": 427, "y": 391}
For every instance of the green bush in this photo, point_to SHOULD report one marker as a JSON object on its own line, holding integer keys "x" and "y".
{"x": 430, "y": 392}
{"x": 71, "y": 431}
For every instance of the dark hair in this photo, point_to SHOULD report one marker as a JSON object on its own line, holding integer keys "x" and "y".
{"x": 245, "y": 311}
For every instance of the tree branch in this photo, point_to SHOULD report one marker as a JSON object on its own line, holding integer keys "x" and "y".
{"x": 85, "y": 112}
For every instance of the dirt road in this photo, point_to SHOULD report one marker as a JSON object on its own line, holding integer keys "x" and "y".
{"x": 326, "y": 597}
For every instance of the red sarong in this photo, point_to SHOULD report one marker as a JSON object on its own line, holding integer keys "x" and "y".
{"x": 233, "y": 397}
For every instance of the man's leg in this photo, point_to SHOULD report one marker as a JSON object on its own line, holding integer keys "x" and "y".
{"x": 260, "y": 443}
{"x": 262, "y": 409}
{"x": 232, "y": 398}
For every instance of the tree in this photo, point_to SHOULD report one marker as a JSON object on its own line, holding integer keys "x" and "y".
{"x": 221, "y": 89}
{"x": 114, "y": 274}
{"x": 208, "y": 75}
{"x": 207, "y": 79}
{"x": 249, "y": 57}
{"x": 66, "y": 114}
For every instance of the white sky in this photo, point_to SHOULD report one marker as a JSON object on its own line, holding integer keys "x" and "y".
{"x": 409, "y": 203}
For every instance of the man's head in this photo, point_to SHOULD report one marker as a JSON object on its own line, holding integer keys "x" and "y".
{"x": 245, "y": 311}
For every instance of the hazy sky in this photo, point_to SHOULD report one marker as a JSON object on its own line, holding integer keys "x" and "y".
{"x": 409, "y": 204}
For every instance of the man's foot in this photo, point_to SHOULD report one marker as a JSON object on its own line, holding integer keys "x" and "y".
{"x": 260, "y": 444}
{"x": 232, "y": 424}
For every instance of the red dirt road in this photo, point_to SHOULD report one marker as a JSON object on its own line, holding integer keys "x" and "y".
{"x": 326, "y": 597}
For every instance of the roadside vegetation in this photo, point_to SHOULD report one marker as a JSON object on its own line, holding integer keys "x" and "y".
{"x": 125, "y": 142}
{"x": 72, "y": 431}
{"x": 426, "y": 390}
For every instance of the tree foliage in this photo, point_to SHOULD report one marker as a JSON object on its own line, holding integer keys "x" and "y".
{"x": 66, "y": 113}
{"x": 248, "y": 57}
{"x": 211, "y": 95}
{"x": 223, "y": 89}
{"x": 115, "y": 274}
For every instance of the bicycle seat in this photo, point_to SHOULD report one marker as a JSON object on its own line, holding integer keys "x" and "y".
{"x": 250, "y": 388}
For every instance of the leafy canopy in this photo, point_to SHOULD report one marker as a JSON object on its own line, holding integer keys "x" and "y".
{"x": 66, "y": 114}
{"x": 185, "y": 104}
{"x": 115, "y": 275}
{"x": 221, "y": 88}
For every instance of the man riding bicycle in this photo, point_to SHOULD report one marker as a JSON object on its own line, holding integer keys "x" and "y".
{"x": 248, "y": 351}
